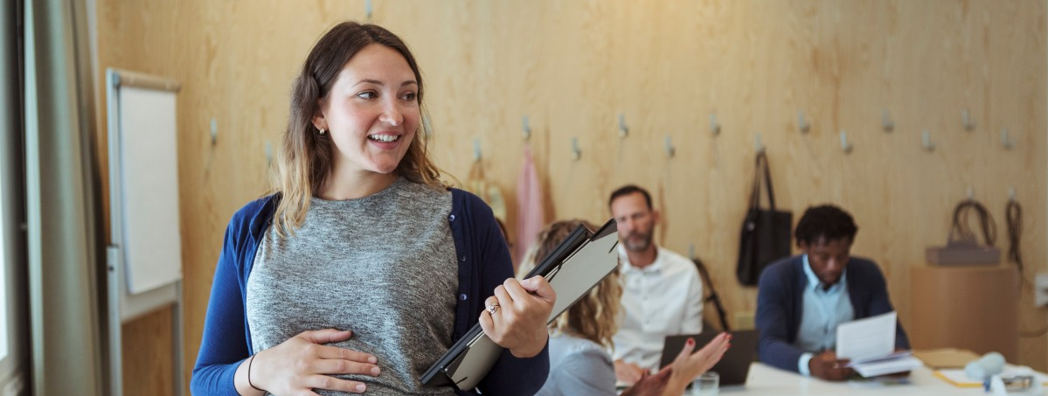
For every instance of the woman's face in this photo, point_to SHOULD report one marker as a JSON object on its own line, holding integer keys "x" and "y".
{"x": 371, "y": 112}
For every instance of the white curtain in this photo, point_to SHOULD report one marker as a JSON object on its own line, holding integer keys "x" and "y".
{"x": 62, "y": 201}
{"x": 14, "y": 312}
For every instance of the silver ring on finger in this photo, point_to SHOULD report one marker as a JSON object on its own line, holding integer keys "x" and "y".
{"x": 493, "y": 308}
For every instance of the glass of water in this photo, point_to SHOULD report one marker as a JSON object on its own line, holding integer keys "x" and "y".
{"x": 706, "y": 385}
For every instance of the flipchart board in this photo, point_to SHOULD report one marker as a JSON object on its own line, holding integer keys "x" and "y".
{"x": 144, "y": 258}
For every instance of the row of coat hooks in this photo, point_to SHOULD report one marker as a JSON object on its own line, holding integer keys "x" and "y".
{"x": 887, "y": 124}
{"x": 576, "y": 152}
{"x": 1011, "y": 194}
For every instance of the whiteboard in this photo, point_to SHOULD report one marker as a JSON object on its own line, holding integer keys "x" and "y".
{"x": 148, "y": 169}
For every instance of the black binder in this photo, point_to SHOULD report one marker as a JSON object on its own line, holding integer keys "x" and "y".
{"x": 578, "y": 264}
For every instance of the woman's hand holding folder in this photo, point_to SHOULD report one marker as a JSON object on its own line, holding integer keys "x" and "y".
{"x": 516, "y": 315}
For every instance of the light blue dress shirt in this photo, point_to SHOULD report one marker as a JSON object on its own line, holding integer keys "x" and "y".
{"x": 824, "y": 310}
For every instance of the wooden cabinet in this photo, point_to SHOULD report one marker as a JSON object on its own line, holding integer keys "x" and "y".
{"x": 969, "y": 307}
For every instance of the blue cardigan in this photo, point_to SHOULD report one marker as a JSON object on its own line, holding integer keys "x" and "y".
{"x": 780, "y": 303}
{"x": 484, "y": 263}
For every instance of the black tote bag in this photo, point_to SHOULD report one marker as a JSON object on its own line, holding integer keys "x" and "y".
{"x": 765, "y": 234}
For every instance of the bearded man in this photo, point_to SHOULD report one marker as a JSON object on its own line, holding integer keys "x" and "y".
{"x": 662, "y": 292}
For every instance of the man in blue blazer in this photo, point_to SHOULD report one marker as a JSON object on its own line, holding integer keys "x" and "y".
{"x": 802, "y": 299}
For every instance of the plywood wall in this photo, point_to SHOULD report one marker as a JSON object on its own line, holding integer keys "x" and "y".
{"x": 666, "y": 66}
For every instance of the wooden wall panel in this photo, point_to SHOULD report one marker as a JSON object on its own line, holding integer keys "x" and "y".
{"x": 147, "y": 355}
{"x": 573, "y": 66}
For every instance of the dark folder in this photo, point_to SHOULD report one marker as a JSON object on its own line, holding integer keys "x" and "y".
{"x": 578, "y": 264}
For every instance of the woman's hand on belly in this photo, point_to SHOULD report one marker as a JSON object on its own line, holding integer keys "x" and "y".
{"x": 303, "y": 363}
{"x": 519, "y": 321}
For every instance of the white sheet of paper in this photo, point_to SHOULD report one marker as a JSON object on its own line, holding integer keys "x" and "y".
{"x": 869, "y": 338}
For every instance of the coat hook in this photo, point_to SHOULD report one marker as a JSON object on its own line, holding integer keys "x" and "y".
{"x": 966, "y": 118}
{"x": 802, "y": 123}
{"x": 214, "y": 131}
{"x": 971, "y": 194}
{"x": 691, "y": 251}
{"x": 367, "y": 9}
{"x": 269, "y": 154}
{"x": 1011, "y": 194}
{"x": 845, "y": 145}
{"x": 886, "y": 122}
{"x": 714, "y": 126}
{"x": 527, "y": 128}
{"x": 476, "y": 150}
{"x": 670, "y": 150}
{"x": 757, "y": 144}
{"x": 427, "y": 126}
{"x": 576, "y": 153}
{"x": 1005, "y": 141}
{"x": 926, "y": 140}
{"x": 623, "y": 129}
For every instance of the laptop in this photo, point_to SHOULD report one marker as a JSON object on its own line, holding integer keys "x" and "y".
{"x": 733, "y": 367}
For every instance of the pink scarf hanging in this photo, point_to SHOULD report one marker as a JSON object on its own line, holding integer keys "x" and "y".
{"x": 531, "y": 216}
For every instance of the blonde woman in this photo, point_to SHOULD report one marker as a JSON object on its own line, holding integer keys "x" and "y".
{"x": 363, "y": 268}
{"x": 581, "y": 337}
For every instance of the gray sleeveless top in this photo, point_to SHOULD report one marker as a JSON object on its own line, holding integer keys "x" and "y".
{"x": 382, "y": 266}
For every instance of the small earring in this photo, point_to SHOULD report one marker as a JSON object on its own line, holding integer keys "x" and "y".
{"x": 322, "y": 130}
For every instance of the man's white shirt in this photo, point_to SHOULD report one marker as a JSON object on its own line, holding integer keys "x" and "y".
{"x": 664, "y": 298}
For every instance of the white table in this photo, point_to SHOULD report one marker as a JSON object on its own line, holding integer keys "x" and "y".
{"x": 765, "y": 380}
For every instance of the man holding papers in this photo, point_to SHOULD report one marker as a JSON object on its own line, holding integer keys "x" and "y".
{"x": 803, "y": 299}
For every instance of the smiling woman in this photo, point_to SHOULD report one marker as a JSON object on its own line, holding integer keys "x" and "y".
{"x": 363, "y": 268}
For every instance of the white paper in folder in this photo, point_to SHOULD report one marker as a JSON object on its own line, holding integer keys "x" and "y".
{"x": 868, "y": 338}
